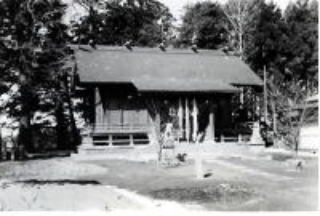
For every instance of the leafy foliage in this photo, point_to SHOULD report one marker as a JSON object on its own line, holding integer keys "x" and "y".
{"x": 287, "y": 45}
{"x": 144, "y": 22}
{"x": 302, "y": 55}
{"x": 264, "y": 36}
{"x": 207, "y": 21}
{"x": 237, "y": 13}
{"x": 33, "y": 58}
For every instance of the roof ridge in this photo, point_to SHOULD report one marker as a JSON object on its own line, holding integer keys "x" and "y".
{"x": 138, "y": 49}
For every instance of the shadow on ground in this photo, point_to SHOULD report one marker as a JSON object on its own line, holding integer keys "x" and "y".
{"x": 59, "y": 182}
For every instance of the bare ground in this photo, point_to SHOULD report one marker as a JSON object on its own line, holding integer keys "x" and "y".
{"x": 232, "y": 183}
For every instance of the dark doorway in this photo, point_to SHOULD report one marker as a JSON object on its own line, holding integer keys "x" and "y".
{"x": 203, "y": 116}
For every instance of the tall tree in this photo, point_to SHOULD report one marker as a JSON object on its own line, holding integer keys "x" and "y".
{"x": 237, "y": 12}
{"x": 302, "y": 50}
{"x": 290, "y": 89}
{"x": 119, "y": 21}
{"x": 264, "y": 39}
{"x": 88, "y": 28}
{"x": 207, "y": 21}
{"x": 33, "y": 55}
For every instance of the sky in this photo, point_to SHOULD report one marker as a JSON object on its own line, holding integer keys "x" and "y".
{"x": 176, "y": 7}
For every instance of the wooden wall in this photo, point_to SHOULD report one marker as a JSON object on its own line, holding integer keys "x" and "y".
{"x": 121, "y": 104}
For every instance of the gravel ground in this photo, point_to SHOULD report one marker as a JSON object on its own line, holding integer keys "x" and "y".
{"x": 234, "y": 183}
{"x": 67, "y": 185}
{"x": 50, "y": 169}
{"x": 253, "y": 184}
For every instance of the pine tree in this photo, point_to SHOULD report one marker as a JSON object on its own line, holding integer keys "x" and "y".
{"x": 33, "y": 58}
{"x": 116, "y": 22}
{"x": 206, "y": 21}
{"x": 265, "y": 37}
{"x": 302, "y": 50}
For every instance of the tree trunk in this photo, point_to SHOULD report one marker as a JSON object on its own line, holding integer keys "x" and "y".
{"x": 24, "y": 140}
{"x": 240, "y": 29}
{"x": 297, "y": 137}
{"x": 74, "y": 136}
{"x": 61, "y": 126}
{"x": 274, "y": 121}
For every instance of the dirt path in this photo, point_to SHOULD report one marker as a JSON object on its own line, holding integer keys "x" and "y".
{"x": 280, "y": 186}
{"x": 66, "y": 185}
{"x": 250, "y": 171}
{"x": 19, "y": 197}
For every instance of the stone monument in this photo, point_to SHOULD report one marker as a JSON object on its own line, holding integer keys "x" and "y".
{"x": 256, "y": 138}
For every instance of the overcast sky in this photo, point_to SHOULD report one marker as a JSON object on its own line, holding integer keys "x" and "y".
{"x": 176, "y": 6}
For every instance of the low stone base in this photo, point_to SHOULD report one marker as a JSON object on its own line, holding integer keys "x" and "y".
{"x": 135, "y": 153}
{"x": 256, "y": 143}
{"x": 256, "y": 139}
{"x": 129, "y": 157}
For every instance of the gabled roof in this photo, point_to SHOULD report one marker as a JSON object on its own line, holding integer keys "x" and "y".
{"x": 150, "y": 69}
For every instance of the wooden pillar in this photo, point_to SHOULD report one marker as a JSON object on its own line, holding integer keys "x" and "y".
{"x": 195, "y": 119}
{"x": 157, "y": 123}
{"x": 98, "y": 107}
{"x": 265, "y": 94}
{"x": 155, "y": 128}
{"x": 239, "y": 138}
{"x": 211, "y": 127}
{"x": 254, "y": 102}
{"x": 222, "y": 138}
{"x": 258, "y": 108}
{"x": 187, "y": 129}
{"x": 110, "y": 140}
{"x": 241, "y": 95}
{"x": 198, "y": 160}
{"x": 180, "y": 119}
{"x": 131, "y": 140}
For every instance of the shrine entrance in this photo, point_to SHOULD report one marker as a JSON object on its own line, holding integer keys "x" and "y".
{"x": 189, "y": 116}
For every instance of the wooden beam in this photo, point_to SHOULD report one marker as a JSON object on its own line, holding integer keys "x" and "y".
{"x": 187, "y": 129}
{"x": 265, "y": 94}
{"x": 98, "y": 107}
{"x": 131, "y": 140}
{"x": 241, "y": 95}
{"x": 180, "y": 119}
{"x": 210, "y": 135}
{"x": 195, "y": 119}
{"x": 212, "y": 128}
{"x": 157, "y": 122}
{"x": 257, "y": 108}
{"x": 110, "y": 140}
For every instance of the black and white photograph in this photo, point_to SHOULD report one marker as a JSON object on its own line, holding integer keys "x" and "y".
{"x": 161, "y": 106}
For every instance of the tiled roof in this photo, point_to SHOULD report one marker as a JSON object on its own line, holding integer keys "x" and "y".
{"x": 151, "y": 69}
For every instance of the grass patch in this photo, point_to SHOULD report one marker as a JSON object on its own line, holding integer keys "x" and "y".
{"x": 281, "y": 157}
{"x": 222, "y": 193}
